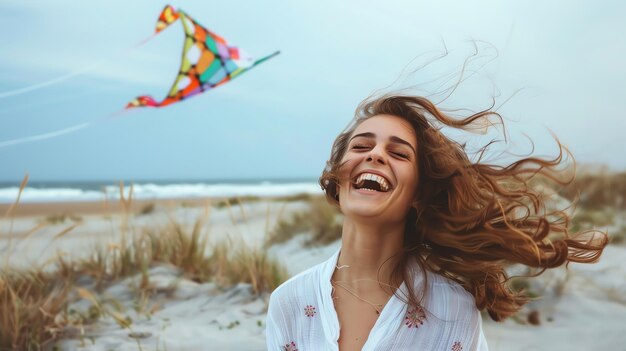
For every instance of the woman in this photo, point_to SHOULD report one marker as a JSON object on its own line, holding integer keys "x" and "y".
{"x": 426, "y": 237}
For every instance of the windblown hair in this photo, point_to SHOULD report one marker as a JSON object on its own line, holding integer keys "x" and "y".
{"x": 473, "y": 219}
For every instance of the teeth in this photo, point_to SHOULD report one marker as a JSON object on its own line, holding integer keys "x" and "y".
{"x": 383, "y": 184}
{"x": 380, "y": 180}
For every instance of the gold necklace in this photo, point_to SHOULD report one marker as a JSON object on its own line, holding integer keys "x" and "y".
{"x": 377, "y": 307}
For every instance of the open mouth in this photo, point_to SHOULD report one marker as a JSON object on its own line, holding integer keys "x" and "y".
{"x": 371, "y": 182}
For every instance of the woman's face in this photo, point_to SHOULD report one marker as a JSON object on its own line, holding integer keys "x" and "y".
{"x": 379, "y": 177}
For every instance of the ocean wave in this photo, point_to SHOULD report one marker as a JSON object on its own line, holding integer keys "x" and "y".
{"x": 160, "y": 191}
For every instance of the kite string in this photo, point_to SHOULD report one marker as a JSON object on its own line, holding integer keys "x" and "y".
{"x": 60, "y": 132}
{"x": 70, "y": 75}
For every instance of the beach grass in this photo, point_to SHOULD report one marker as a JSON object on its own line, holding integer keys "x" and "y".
{"x": 321, "y": 220}
{"x": 240, "y": 200}
{"x": 30, "y": 301}
{"x": 35, "y": 301}
{"x": 585, "y": 219}
{"x": 597, "y": 191}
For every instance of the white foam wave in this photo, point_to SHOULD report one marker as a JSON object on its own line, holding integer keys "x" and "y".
{"x": 158, "y": 191}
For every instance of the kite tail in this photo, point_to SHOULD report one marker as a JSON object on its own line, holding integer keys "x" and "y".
{"x": 60, "y": 132}
{"x": 263, "y": 59}
{"x": 71, "y": 75}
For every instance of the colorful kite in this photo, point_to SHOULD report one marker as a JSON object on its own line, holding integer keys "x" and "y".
{"x": 208, "y": 61}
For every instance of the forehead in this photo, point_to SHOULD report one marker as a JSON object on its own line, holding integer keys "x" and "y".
{"x": 385, "y": 126}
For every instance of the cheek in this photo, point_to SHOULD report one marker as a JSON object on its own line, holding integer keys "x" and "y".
{"x": 409, "y": 179}
{"x": 348, "y": 163}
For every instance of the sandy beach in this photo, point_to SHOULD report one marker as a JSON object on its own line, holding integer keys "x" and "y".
{"x": 80, "y": 208}
{"x": 580, "y": 309}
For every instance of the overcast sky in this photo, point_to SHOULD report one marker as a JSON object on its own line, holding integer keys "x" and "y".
{"x": 565, "y": 60}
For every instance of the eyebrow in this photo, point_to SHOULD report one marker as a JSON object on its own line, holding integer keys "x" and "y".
{"x": 393, "y": 139}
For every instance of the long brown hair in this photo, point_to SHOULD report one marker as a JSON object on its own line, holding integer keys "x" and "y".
{"x": 473, "y": 219}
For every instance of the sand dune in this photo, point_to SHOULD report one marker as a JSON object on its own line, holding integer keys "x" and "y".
{"x": 583, "y": 309}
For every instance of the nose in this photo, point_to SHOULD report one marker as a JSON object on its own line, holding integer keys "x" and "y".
{"x": 376, "y": 155}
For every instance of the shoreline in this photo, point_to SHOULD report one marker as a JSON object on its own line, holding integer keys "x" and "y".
{"x": 100, "y": 207}
{"x": 96, "y": 207}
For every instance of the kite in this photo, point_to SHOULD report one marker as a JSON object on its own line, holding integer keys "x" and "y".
{"x": 207, "y": 61}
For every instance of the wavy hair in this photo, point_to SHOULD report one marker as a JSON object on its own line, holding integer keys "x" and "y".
{"x": 473, "y": 219}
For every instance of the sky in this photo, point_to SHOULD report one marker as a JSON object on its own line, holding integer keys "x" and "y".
{"x": 551, "y": 66}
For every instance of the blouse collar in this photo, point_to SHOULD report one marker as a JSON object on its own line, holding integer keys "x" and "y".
{"x": 389, "y": 320}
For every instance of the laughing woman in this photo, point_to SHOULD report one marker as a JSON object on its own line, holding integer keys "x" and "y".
{"x": 426, "y": 237}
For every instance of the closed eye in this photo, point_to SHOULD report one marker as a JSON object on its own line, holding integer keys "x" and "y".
{"x": 401, "y": 154}
{"x": 396, "y": 153}
{"x": 360, "y": 147}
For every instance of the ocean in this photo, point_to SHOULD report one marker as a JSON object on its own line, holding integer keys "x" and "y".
{"x": 55, "y": 191}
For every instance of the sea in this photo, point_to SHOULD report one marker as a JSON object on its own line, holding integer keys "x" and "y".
{"x": 56, "y": 191}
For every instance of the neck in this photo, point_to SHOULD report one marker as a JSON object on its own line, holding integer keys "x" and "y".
{"x": 370, "y": 253}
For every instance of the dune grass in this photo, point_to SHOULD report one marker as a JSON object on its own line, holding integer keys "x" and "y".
{"x": 147, "y": 209}
{"x": 597, "y": 191}
{"x": 240, "y": 200}
{"x": 595, "y": 199}
{"x": 321, "y": 220}
{"x": 588, "y": 219}
{"x": 34, "y": 301}
{"x": 29, "y": 304}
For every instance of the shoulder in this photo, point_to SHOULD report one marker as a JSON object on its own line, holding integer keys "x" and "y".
{"x": 448, "y": 297}
{"x": 457, "y": 309}
{"x": 455, "y": 289}
{"x": 301, "y": 284}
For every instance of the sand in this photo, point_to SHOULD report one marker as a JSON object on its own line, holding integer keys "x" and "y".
{"x": 585, "y": 313}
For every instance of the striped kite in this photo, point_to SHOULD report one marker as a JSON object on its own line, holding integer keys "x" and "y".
{"x": 207, "y": 62}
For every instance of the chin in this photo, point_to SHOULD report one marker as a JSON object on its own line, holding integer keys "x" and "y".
{"x": 362, "y": 212}
{"x": 382, "y": 207}
{"x": 365, "y": 205}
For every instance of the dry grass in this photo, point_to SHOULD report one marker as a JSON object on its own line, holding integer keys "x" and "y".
{"x": 234, "y": 264}
{"x": 237, "y": 200}
{"x": 322, "y": 220}
{"x": 34, "y": 302}
{"x": 240, "y": 200}
{"x": 61, "y": 218}
{"x": 597, "y": 198}
{"x": 285, "y": 229}
{"x": 295, "y": 197}
{"x": 598, "y": 191}
{"x": 147, "y": 209}
{"x": 588, "y": 219}
{"x": 29, "y": 304}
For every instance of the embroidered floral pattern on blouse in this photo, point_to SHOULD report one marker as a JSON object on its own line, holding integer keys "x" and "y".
{"x": 309, "y": 311}
{"x": 291, "y": 347}
{"x": 414, "y": 317}
{"x": 457, "y": 346}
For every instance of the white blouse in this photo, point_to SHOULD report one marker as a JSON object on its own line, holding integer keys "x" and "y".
{"x": 302, "y": 316}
